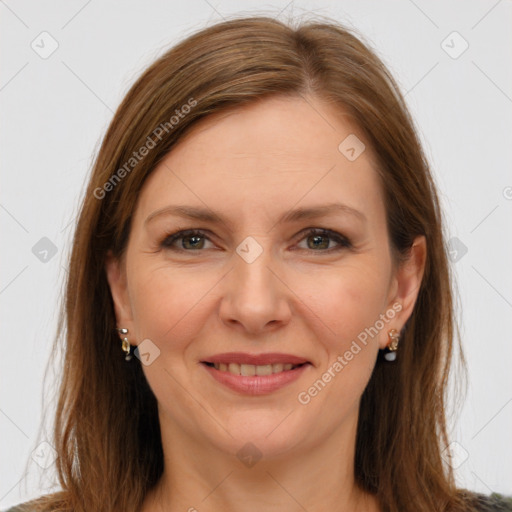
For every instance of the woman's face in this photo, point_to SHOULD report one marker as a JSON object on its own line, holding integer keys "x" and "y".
{"x": 257, "y": 283}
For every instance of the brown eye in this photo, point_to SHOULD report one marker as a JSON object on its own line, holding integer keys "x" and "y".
{"x": 191, "y": 240}
{"x": 318, "y": 240}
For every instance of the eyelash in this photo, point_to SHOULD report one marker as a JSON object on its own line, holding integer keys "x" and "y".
{"x": 170, "y": 238}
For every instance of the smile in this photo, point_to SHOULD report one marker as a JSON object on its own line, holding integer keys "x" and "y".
{"x": 249, "y": 370}
{"x": 251, "y": 374}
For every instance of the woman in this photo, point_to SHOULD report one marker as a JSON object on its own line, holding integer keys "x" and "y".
{"x": 258, "y": 309}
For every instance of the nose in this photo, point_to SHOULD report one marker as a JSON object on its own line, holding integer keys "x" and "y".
{"x": 255, "y": 297}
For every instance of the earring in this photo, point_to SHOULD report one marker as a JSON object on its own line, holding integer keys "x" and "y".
{"x": 392, "y": 346}
{"x": 125, "y": 344}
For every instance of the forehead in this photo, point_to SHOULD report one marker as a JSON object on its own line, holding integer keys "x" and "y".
{"x": 266, "y": 157}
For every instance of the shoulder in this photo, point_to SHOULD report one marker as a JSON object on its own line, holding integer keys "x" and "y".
{"x": 493, "y": 503}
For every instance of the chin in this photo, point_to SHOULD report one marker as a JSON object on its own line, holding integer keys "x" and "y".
{"x": 262, "y": 434}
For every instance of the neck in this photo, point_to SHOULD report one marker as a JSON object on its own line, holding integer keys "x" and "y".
{"x": 198, "y": 477}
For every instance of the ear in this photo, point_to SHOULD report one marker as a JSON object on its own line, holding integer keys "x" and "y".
{"x": 116, "y": 276}
{"x": 405, "y": 287}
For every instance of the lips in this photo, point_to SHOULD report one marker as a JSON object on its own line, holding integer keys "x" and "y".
{"x": 255, "y": 374}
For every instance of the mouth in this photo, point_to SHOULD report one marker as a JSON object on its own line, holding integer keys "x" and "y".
{"x": 250, "y": 374}
{"x": 250, "y": 370}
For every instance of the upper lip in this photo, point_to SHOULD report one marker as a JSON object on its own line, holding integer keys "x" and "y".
{"x": 255, "y": 359}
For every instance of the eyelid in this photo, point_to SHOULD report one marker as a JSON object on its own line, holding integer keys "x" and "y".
{"x": 342, "y": 241}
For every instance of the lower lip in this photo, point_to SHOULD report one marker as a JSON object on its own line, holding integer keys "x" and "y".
{"x": 257, "y": 384}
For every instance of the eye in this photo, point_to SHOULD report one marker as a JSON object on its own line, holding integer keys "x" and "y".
{"x": 191, "y": 240}
{"x": 194, "y": 240}
{"x": 320, "y": 239}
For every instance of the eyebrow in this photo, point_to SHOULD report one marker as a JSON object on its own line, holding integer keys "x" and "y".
{"x": 206, "y": 215}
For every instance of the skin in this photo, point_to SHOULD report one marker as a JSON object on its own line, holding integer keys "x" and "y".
{"x": 251, "y": 165}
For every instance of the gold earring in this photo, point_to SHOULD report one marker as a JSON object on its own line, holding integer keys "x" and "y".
{"x": 125, "y": 345}
{"x": 392, "y": 346}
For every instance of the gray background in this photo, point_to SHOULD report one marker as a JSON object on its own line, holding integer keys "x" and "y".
{"x": 55, "y": 109}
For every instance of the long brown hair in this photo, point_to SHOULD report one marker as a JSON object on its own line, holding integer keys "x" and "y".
{"x": 106, "y": 433}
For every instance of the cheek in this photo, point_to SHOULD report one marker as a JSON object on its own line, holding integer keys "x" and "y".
{"x": 165, "y": 304}
{"x": 349, "y": 301}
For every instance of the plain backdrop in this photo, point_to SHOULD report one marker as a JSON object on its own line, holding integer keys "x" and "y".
{"x": 66, "y": 66}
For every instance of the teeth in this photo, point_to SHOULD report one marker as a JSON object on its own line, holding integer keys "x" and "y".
{"x": 264, "y": 370}
{"x": 248, "y": 370}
